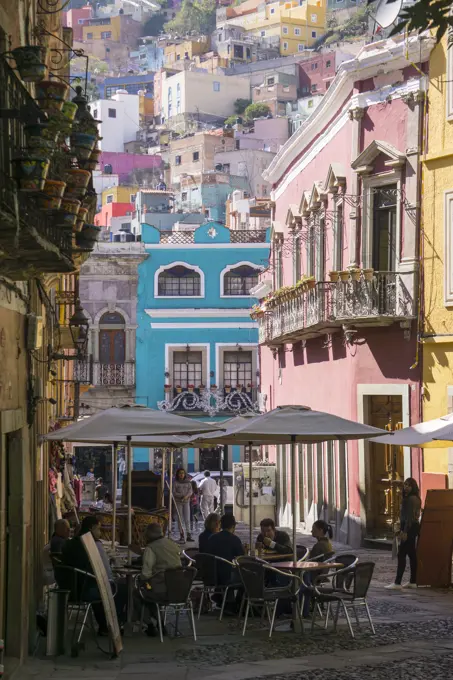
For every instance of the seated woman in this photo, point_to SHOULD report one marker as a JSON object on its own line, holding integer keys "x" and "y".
{"x": 211, "y": 527}
{"x": 160, "y": 554}
{"x": 323, "y": 533}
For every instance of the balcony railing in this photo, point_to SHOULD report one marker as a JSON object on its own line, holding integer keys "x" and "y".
{"x": 388, "y": 297}
{"x": 27, "y": 233}
{"x": 236, "y": 236}
{"x": 208, "y": 400}
{"x": 114, "y": 375}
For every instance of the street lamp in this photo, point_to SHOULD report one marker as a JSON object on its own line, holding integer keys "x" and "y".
{"x": 78, "y": 327}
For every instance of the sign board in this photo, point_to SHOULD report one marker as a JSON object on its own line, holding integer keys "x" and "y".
{"x": 105, "y": 590}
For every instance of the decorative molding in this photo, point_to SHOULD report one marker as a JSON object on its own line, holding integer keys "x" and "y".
{"x": 363, "y": 164}
{"x": 229, "y": 268}
{"x": 178, "y": 263}
{"x": 202, "y": 246}
{"x": 356, "y": 113}
{"x": 213, "y": 325}
{"x": 206, "y": 313}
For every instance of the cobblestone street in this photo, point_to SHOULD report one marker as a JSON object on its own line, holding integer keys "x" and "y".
{"x": 414, "y": 639}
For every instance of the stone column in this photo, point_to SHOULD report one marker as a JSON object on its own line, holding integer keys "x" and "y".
{"x": 411, "y": 201}
{"x": 355, "y": 114}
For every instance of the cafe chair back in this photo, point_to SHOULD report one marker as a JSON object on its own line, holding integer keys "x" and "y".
{"x": 301, "y": 552}
{"x": 207, "y": 570}
{"x": 358, "y": 578}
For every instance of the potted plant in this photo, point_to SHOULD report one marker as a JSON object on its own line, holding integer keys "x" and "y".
{"x": 334, "y": 276}
{"x": 227, "y": 389}
{"x": 368, "y": 274}
{"x": 190, "y": 388}
{"x": 93, "y": 160}
{"x": 201, "y": 386}
{"x": 311, "y": 282}
{"x": 31, "y": 172}
{"x": 167, "y": 388}
{"x": 249, "y": 386}
{"x": 31, "y": 62}
{"x": 87, "y": 237}
{"x": 82, "y": 144}
{"x": 355, "y": 273}
{"x": 344, "y": 275}
{"x": 77, "y": 181}
{"x": 81, "y": 218}
{"x": 69, "y": 110}
{"x": 50, "y": 95}
{"x": 213, "y": 386}
{"x": 178, "y": 389}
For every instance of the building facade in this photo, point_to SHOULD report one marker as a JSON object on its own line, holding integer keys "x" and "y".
{"x": 437, "y": 335}
{"x": 194, "y": 331}
{"x": 338, "y": 327}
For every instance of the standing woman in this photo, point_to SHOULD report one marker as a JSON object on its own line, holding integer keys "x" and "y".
{"x": 409, "y": 530}
{"x": 182, "y": 492}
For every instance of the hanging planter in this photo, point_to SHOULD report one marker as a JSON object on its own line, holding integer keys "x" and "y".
{"x": 41, "y": 146}
{"x": 30, "y": 62}
{"x": 344, "y": 276}
{"x": 54, "y": 187}
{"x": 82, "y": 144}
{"x": 368, "y": 274}
{"x": 43, "y": 130}
{"x": 69, "y": 110}
{"x": 311, "y": 283}
{"x": 90, "y": 233}
{"x": 81, "y": 217}
{"x": 334, "y": 276}
{"x": 213, "y": 388}
{"x": 63, "y": 218}
{"x": 50, "y": 95}
{"x": 92, "y": 162}
{"x": 30, "y": 172}
{"x": 49, "y": 202}
{"x": 70, "y": 205}
{"x": 78, "y": 179}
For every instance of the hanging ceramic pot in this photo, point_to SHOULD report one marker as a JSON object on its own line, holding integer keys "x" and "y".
{"x": 70, "y": 205}
{"x": 30, "y": 172}
{"x": 82, "y": 144}
{"x": 50, "y": 95}
{"x": 78, "y": 181}
{"x": 69, "y": 110}
{"x": 30, "y": 62}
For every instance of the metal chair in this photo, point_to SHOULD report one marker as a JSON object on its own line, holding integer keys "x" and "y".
{"x": 207, "y": 569}
{"x": 252, "y": 573}
{"x": 341, "y": 578}
{"x": 354, "y": 596}
{"x": 301, "y": 552}
{"x": 178, "y": 583}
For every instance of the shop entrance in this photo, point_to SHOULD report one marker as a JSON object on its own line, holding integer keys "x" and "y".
{"x": 97, "y": 458}
{"x": 384, "y": 482}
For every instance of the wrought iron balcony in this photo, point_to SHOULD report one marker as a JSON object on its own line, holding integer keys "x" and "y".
{"x": 29, "y": 239}
{"x": 114, "y": 375}
{"x": 387, "y": 297}
{"x": 233, "y": 400}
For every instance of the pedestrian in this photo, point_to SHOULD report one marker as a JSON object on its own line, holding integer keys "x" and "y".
{"x": 182, "y": 492}
{"x": 411, "y": 506}
{"x": 208, "y": 489}
{"x": 194, "y": 506}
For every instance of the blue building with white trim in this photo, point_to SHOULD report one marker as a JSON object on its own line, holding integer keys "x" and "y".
{"x": 195, "y": 337}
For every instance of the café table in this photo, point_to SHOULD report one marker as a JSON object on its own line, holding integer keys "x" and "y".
{"x": 299, "y": 567}
{"x": 128, "y": 572}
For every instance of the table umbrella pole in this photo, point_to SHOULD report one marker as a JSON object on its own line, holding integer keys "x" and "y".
{"x": 129, "y": 499}
{"x": 170, "y": 498}
{"x": 164, "y": 467}
{"x": 250, "y": 497}
{"x": 293, "y": 493}
{"x": 115, "y": 485}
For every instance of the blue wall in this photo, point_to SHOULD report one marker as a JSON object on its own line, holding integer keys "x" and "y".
{"x": 211, "y": 252}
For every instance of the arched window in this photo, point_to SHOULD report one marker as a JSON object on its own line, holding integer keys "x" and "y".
{"x": 179, "y": 281}
{"x": 112, "y": 339}
{"x": 240, "y": 280}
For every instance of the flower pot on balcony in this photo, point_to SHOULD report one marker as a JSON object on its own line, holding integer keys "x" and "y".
{"x": 311, "y": 283}
{"x": 69, "y": 110}
{"x": 201, "y": 387}
{"x": 167, "y": 388}
{"x": 63, "y": 219}
{"x": 50, "y": 95}
{"x": 49, "y": 202}
{"x": 334, "y": 276}
{"x": 93, "y": 161}
{"x": 54, "y": 187}
{"x": 213, "y": 387}
{"x": 81, "y": 218}
{"x": 71, "y": 205}
{"x": 227, "y": 389}
{"x": 30, "y": 62}
{"x": 344, "y": 276}
{"x": 82, "y": 144}
{"x": 190, "y": 388}
{"x": 179, "y": 390}
{"x": 368, "y": 274}
{"x": 355, "y": 274}
{"x": 87, "y": 237}
{"x": 30, "y": 172}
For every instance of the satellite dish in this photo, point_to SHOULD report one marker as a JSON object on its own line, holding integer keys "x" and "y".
{"x": 387, "y": 12}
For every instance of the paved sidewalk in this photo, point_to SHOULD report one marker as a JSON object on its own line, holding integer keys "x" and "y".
{"x": 414, "y": 639}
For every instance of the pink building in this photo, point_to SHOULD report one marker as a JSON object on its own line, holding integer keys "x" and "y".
{"x": 111, "y": 210}
{"x": 75, "y": 19}
{"x": 123, "y": 164}
{"x": 345, "y": 188}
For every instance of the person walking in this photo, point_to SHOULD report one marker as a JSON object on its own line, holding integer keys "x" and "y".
{"x": 409, "y": 529}
{"x": 182, "y": 492}
{"x": 208, "y": 489}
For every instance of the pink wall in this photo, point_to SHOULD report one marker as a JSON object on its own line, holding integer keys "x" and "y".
{"x": 124, "y": 163}
{"x": 109, "y": 210}
{"x": 72, "y": 20}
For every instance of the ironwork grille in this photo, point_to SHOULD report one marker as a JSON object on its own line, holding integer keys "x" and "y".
{"x": 187, "y": 369}
{"x": 248, "y": 236}
{"x": 179, "y": 281}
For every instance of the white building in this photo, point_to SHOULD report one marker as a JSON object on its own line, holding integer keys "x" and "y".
{"x": 120, "y": 120}
{"x": 103, "y": 181}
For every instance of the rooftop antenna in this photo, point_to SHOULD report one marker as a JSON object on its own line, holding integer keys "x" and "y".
{"x": 386, "y": 13}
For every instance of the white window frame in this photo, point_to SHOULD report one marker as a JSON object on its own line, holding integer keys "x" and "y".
{"x": 170, "y": 265}
{"x": 448, "y": 231}
{"x": 285, "y": 30}
{"x": 369, "y": 183}
{"x": 203, "y": 347}
{"x": 109, "y": 196}
{"x": 222, "y": 347}
{"x": 297, "y": 31}
{"x": 227, "y": 269}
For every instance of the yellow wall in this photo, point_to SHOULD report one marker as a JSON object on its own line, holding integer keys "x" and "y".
{"x": 437, "y": 178}
{"x": 121, "y": 194}
{"x": 174, "y": 53}
{"x": 114, "y": 27}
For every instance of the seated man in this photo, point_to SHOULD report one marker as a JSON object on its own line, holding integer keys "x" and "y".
{"x": 160, "y": 554}
{"x": 228, "y": 546}
{"x": 75, "y": 555}
{"x": 60, "y": 536}
{"x": 273, "y": 539}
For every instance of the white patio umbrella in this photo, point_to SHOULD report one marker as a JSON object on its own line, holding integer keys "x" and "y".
{"x": 439, "y": 432}
{"x": 128, "y": 424}
{"x": 289, "y": 425}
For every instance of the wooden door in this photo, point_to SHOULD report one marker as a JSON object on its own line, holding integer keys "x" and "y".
{"x": 112, "y": 346}
{"x": 386, "y": 468}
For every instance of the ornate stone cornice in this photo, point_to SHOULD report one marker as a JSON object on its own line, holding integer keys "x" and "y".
{"x": 356, "y": 113}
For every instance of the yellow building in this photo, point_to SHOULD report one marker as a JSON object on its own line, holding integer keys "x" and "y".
{"x": 120, "y": 194}
{"x": 297, "y": 27}
{"x": 185, "y": 50}
{"x": 103, "y": 29}
{"x": 437, "y": 218}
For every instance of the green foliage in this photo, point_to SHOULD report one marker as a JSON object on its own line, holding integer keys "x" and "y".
{"x": 231, "y": 120}
{"x": 355, "y": 26}
{"x": 257, "y": 110}
{"x": 95, "y": 65}
{"x": 197, "y": 16}
{"x": 426, "y": 15}
{"x": 240, "y": 105}
{"x": 154, "y": 25}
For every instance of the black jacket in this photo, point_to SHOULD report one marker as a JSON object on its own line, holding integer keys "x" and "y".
{"x": 282, "y": 542}
{"x": 226, "y": 545}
